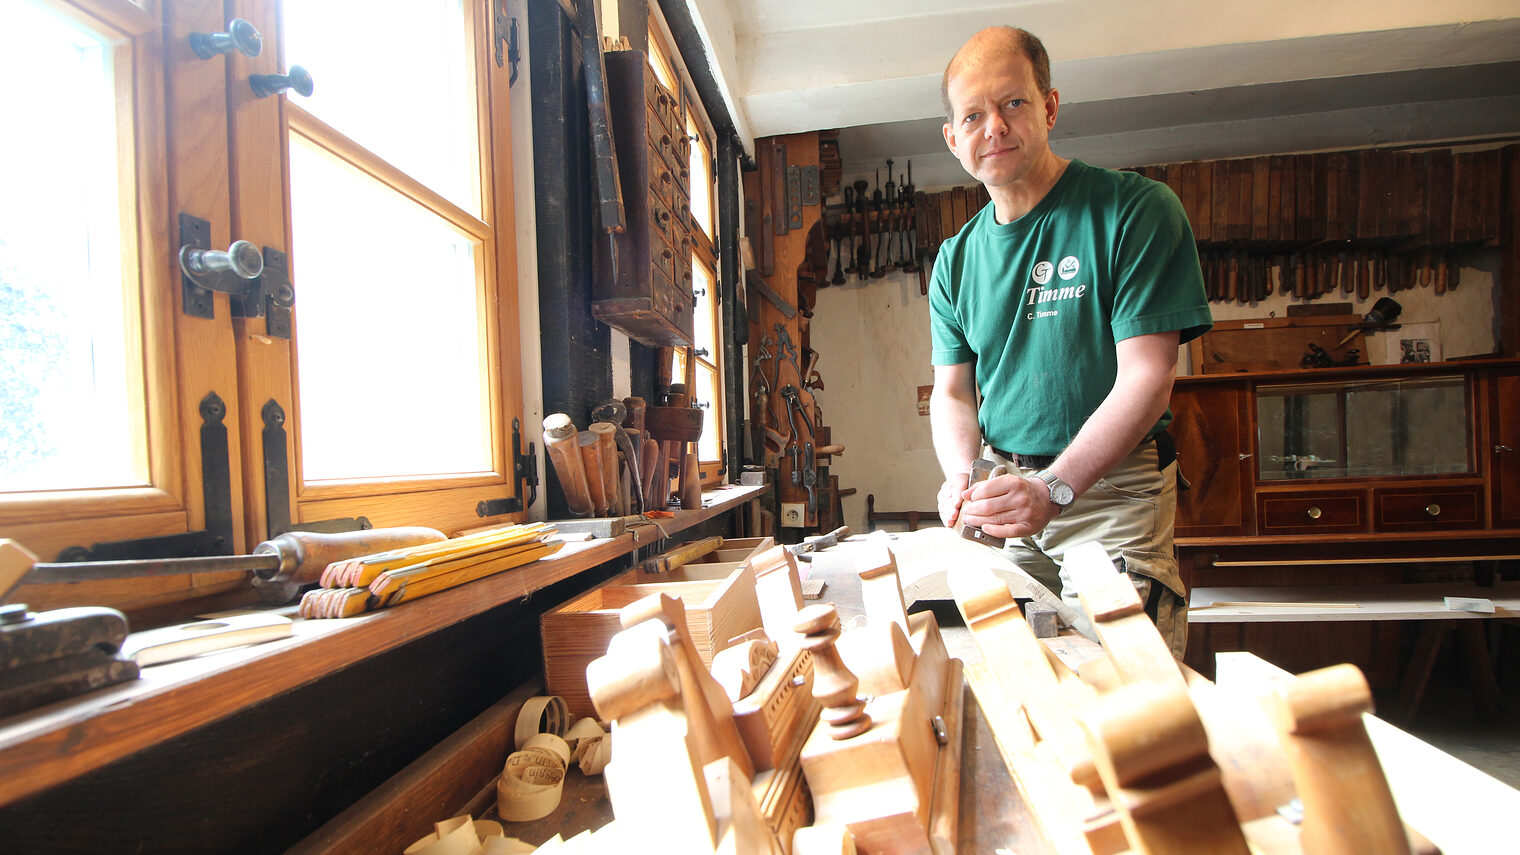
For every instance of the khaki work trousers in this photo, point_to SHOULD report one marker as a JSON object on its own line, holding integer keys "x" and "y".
{"x": 1130, "y": 513}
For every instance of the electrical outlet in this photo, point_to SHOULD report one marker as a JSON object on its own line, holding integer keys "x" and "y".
{"x": 793, "y": 514}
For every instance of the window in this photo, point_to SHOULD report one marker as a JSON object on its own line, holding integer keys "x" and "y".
{"x": 71, "y": 387}
{"x": 387, "y": 192}
{"x": 706, "y": 369}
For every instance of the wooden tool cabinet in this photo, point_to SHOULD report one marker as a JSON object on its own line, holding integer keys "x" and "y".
{"x": 1413, "y": 488}
{"x": 643, "y": 286}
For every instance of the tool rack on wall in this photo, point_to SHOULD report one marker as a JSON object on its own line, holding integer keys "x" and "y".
{"x": 785, "y": 228}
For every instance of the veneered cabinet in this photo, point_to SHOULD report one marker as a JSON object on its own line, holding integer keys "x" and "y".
{"x": 1381, "y": 449}
{"x": 1210, "y": 427}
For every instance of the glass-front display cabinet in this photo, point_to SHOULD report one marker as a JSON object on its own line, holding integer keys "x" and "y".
{"x": 1363, "y": 429}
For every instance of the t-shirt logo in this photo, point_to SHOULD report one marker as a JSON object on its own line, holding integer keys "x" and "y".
{"x": 1042, "y": 272}
{"x": 1069, "y": 267}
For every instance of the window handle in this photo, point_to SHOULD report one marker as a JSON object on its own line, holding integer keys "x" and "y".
{"x": 242, "y": 258}
{"x": 299, "y": 79}
{"x": 241, "y": 36}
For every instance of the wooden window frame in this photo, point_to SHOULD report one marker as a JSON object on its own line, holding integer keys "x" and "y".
{"x": 198, "y": 141}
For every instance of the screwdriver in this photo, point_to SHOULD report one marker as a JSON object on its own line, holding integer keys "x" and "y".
{"x": 280, "y": 565}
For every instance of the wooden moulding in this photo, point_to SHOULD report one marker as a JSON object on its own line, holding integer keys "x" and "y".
{"x": 881, "y": 784}
{"x": 781, "y": 707}
{"x": 577, "y": 632}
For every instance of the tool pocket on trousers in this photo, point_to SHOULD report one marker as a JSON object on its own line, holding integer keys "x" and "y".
{"x": 1137, "y": 483}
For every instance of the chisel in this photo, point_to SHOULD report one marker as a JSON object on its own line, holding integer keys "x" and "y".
{"x": 280, "y": 565}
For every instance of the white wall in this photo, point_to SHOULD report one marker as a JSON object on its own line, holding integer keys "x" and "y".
{"x": 873, "y": 343}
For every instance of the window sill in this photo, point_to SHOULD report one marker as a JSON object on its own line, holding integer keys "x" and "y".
{"x": 52, "y": 744}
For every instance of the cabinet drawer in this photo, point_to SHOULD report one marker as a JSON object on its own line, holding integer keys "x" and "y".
{"x": 1426, "y": 510}
{"x": 1311, "y": 513}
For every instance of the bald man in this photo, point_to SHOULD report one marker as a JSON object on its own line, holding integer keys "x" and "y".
{"x": 1063, "y": 303}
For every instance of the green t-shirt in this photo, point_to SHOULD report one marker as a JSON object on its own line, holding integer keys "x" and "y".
{"x": 1038, "y": 304}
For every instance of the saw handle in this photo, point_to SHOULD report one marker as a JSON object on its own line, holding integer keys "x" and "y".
{"x": 304, "y": 554}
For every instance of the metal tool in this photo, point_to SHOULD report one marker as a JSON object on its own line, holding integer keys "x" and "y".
{"x": 754, "y": 280}
{"x": 52, "y": 655}
{"x": 981, "y": 470}
{"x": 615, "y": 412}
{"x": 804, "y": 550}
{"x": 794, "y": 402}
{"x": 810, "y": 477}
{"x": 863, "y": 249}
{"x": 280, "y": 565}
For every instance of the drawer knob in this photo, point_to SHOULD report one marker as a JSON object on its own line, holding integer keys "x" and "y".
{"x": 1433, "y": 509}
{"x": 1314, "y": 513}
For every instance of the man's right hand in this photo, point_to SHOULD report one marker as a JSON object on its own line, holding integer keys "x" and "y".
{"x": 950, "y": 498}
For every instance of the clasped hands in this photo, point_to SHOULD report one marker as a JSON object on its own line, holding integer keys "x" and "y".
{"x": 1003, "y": 506}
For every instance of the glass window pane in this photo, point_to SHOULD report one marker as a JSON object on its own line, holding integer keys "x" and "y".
{"x": 703, "y": 315}
{"x": 701, "y": 181}
{"x": 707, "y": 393}
{"x": 390, "y": 352}
{"x": 414, "y": 107}
{"x": 66, "y": 391}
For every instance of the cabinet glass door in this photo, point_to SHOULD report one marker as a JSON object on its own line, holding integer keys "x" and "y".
{"x": 1363, "y": 429}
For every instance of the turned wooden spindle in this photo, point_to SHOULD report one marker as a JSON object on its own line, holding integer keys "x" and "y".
{"x": 833, "y": 684}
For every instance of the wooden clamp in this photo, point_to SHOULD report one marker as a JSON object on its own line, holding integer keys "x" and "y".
{"x": 1348, "y": 806}
{"x": 655, "y": 781}
{"x": 710, "y": 711}
{"x": 1153, "y": 755}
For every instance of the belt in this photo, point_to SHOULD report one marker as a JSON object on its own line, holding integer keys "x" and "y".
{"x": 1025, "y": 461}
{"x": 1166, "y": 452}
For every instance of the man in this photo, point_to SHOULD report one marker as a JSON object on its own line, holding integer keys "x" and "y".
{"x": 1063, "y": 302}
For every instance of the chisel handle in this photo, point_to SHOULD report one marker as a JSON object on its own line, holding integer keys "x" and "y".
{"x": 304, "y": 554}
{"x": 560, "y": 441}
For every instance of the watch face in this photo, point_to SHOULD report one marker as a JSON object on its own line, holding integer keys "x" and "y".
{"x": 1061, "y": 493}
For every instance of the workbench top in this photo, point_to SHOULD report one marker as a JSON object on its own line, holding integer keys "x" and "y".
{"x": 52, "y": 744}
{"x": 1318, "y": 603}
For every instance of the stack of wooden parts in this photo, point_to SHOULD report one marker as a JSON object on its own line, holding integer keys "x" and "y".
{"x": 1128, "y": 752}
{"x": 884, "y": 762}
{"x": 719, "y": 597}
{"x": 371, "y": 582}
{"x": 699, "y": 772}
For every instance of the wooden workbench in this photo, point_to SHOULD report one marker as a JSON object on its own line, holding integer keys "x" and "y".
{"x": 53, "y": 744}
{"x": 993, "y": 818}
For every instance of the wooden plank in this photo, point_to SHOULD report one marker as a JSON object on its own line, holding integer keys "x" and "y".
{"x": 40, "y": 751}
{"x": 1441, "y": 192}
{"x": 1374, "y": 603}
{"x": 1201, "y": 214}
{"x": 1303, "y": 201}
{"x": 1241, "y": 184}
{"x": 1220, "y": 199}
{"x": 765, "y": 183}
{"x": 1261, "y": 198}
{"x": 1275, "y": 201}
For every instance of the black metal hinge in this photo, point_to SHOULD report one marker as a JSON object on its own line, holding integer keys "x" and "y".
{"x": 216, "y": 497}
{"x": 505, "y": 36}
{"x": 524, "y": 472}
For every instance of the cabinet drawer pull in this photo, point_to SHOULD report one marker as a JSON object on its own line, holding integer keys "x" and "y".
{"x": 1499, "y": 449}
{"x": 1314, "y": 513}
{"x": 1433, "y": 509}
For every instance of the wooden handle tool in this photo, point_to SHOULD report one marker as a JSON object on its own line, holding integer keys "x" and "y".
{"x": 591, "y": 459}
{"x": 560, "y": 438}
{"x": 606, "y": 440}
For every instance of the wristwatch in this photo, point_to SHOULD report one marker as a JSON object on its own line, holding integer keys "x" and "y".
{"x": 1061, "y": 494}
